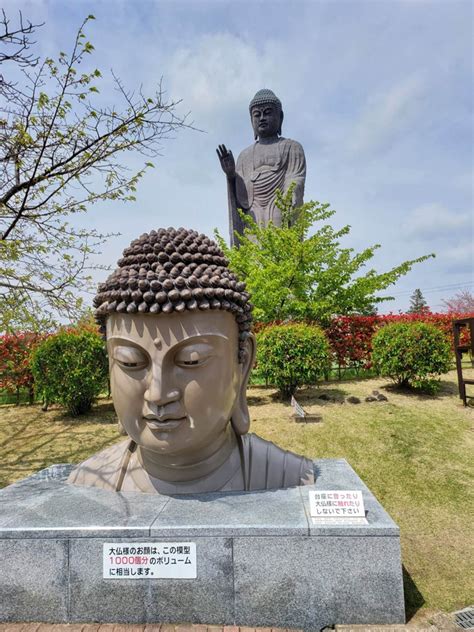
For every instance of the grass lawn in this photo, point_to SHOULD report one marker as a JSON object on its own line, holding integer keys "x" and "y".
{"x": 414, "y": 452}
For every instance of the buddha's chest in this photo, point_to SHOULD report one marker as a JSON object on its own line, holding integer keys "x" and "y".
{"x": 266, "y": 155}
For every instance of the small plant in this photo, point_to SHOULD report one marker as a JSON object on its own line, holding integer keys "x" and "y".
{"x": 70, "y": 368}
{"x": 291, "y": 355}
{"x": 412, "y": 354}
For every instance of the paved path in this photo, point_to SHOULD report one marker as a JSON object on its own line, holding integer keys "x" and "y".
{"x": 117, "y": 627}
{"x": 441, "y": 623}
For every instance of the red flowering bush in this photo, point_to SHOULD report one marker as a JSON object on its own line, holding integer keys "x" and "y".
{"x": 350, "y": 338}
{"x": 15, "y": 371}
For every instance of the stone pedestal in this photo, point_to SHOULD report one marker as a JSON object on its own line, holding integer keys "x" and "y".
{"x": 260, "y": 559}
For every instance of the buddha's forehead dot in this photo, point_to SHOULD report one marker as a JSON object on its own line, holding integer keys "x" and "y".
{"x": 158, "y": 343}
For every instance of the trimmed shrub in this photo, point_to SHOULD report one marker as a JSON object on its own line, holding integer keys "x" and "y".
{"x": 291, "y": 355}
{"x": 70, "y": 368}
{"x": 412, "y": 354}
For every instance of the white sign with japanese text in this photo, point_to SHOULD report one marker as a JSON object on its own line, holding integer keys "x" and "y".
{"x": 149, "y": 560}
{"x": 340, "y": 504}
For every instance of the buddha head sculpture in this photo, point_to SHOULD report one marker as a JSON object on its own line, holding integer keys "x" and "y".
{"x": 177, "y": 323}
{"x": 266, "y": 114}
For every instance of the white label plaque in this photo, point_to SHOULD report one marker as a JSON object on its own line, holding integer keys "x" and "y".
{"x": 336, "y": 504}
{"x": 149, "y": 560}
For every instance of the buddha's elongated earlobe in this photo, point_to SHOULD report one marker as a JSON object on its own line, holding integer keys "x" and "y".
{"x": 281, "y": 123}
{"x": 240, "y": 413}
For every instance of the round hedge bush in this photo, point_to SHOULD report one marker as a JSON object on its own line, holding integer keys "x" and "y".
{"x": 70, "y": 368}
{"x": 291, "y": 355}
{"x": 411, "y": 354}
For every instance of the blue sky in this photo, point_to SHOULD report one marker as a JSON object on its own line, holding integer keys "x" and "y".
{"x": 379, "y": 94}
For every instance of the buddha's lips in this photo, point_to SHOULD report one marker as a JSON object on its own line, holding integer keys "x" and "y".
{"x": 164, "y": 423}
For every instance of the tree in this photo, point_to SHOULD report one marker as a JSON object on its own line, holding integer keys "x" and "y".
{"x": 418, "y": 303}
{"x": 59, "y": 155}
{"x": 293, "y": 275}
{"x": 16, "y": 44}
{"x": 461, "y": 303}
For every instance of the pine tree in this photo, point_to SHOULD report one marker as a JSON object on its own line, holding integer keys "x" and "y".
{"x": 418, "y": 303}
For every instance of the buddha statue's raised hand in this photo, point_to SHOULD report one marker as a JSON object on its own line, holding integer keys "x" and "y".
{"x": 227, "y": 161}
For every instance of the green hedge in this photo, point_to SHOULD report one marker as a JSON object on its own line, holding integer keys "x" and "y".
{"x": 411, "y": 354}
{"x": 70, "y": 368}
{"x": 291, "y": 355}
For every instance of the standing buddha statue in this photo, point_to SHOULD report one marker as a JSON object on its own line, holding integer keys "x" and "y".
{"x": 271, "y": 163}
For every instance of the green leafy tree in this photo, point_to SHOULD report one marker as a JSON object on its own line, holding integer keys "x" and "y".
{"x": 60, "y": 149}
{"x": 418, "y": 303}
{"x": 291, "y": 273}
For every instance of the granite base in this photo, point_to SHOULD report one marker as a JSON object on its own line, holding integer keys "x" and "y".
{"x": 260, "y": 559}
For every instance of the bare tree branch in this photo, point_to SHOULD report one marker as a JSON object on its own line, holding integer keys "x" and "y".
{"x": 16, "y": 41}
{"x": 62, "y": 151}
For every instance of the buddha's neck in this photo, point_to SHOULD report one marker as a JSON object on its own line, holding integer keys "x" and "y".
{"x": 168, "y": 468}
{"x": 268, "y": 140}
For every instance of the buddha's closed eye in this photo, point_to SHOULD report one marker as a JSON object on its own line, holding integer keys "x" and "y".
{"x": 194, "y": 355}
{"x": 130, "y": 357}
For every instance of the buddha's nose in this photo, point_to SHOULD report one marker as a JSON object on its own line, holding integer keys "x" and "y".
{"x": 159, "y": 390}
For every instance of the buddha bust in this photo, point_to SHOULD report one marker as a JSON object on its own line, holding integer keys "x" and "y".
{"x": 271, "y": 163}
{"x": 180, "y": 346}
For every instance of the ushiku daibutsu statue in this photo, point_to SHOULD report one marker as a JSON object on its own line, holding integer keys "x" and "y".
{"x": 271, "y": 163}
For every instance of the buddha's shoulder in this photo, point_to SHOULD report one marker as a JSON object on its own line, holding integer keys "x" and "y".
{"x": 267, "y": 466}
{"x": 246, "y": 154}
{"x": 101, "y": 469}
{"x": 292, "y": 145}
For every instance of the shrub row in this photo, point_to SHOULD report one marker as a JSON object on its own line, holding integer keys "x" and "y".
{"x": 410, "y": 353}
{"x": 350, "y": 337}
{"x": 287, "y": 356}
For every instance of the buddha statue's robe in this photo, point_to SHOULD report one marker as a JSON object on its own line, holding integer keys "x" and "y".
{"x": 261, "y": 169}
{"x": 255, "y": 464}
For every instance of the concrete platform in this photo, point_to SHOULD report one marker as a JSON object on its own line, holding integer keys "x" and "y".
{"x": 260, "y": 559}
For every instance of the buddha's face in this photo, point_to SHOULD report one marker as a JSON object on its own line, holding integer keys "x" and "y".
{"x": 175, "y": 378}
{"x": 266, "y": 120}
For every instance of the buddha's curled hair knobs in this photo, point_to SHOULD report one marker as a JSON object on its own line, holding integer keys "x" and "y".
{"x": 169, "y": 270}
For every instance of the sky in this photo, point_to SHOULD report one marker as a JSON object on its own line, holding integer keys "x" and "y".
{"x": 379, "y": 93}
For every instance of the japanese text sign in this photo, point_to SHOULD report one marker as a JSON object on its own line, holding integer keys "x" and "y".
{"x": 336, "y": 504}
{"x": 149, "y": 560}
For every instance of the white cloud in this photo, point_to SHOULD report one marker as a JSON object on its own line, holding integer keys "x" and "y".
{"x": 459, "y": 256}
{"x": 386, "y": 115}
{"x": 218, "y": 70}
{"x": 435, "y": 220}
